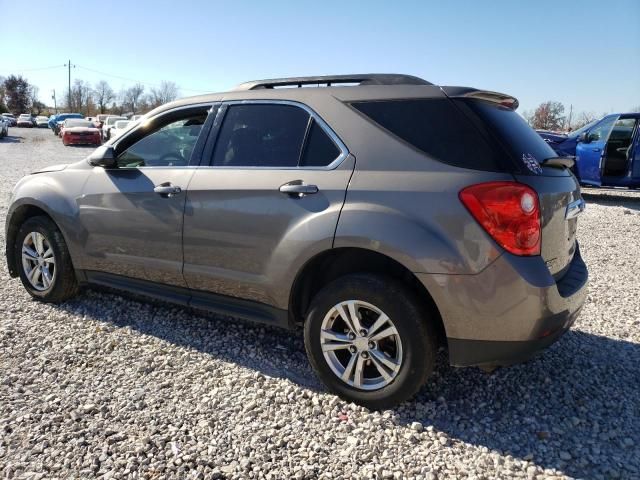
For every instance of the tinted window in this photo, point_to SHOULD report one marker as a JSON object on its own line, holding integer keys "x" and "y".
{"x": 512, "y": 130}
{"x": 261, "y": 135}
{"x": 169, "y": 144}
{"x": 436, "y": 127}
{"x": 319, "y": 151}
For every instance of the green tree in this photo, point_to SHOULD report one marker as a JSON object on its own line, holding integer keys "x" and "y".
{"x": 17, "y": 93}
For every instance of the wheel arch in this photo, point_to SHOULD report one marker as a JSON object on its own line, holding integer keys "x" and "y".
{"x": 337, "y": 262}
{"x": 15, "y": 219}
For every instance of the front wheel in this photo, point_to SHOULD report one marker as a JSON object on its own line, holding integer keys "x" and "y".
{"x": 43, "y": 261}
{"x": 369, "y": 340}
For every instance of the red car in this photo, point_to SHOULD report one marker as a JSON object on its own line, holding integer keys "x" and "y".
{"x": 76, "y": 131}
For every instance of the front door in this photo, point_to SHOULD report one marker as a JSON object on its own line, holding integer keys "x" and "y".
{"x": 268, "y": 200}
{"x": 590, "y": 153}
{"x": 133, "y": 215}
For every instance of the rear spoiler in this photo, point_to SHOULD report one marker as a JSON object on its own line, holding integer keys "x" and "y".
{"x": 559, "y": 162}
{"x": 486, "y": 95}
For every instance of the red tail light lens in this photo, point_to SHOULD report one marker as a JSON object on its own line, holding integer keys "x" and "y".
{"x": 509, "y": 212}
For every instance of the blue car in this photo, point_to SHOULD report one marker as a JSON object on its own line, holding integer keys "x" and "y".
{"x": 607, "y": 151}
{"x": 55, "y": 120}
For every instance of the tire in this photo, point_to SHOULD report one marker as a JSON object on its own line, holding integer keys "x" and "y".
{"x": 63, "y": 284}
{"x": 413, "y": 347}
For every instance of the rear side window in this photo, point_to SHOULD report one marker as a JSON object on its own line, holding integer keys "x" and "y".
{"x": 261, "y": 135}
{"x": 512, "y": 130}
{"x": 437, "y": 128}
{"x": 272, "y": 135}
{"x": 319, "y": 150}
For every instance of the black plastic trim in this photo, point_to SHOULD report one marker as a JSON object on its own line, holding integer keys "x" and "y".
{"x": 195, "y": 299}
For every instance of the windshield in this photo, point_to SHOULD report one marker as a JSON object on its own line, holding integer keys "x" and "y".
{"x": 584, "y": 128}
{"x": 112, "y": 120}
{"x": 78, "y": 123}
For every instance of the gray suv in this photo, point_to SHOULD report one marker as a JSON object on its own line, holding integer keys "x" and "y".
{"x": 385, "y": 215}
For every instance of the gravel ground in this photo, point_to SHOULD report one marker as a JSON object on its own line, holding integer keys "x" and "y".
{"x": 104, "y": 386}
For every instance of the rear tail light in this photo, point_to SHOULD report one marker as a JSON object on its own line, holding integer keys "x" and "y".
{"x": 509, "y": 212}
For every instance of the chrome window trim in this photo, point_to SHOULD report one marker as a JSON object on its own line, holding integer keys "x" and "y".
{"x": 344, "y": 152}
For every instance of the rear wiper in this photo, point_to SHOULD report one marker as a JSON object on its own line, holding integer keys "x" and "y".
{"x": 559, "y": 162}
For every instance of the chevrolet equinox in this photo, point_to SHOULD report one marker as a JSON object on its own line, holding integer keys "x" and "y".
{"x": 385, "y": 215}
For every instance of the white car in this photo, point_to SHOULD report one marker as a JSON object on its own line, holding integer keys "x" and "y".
{"x": 108, "y": 126}
{"x": 42, "y": 121}
{"x": 119, "y": 127}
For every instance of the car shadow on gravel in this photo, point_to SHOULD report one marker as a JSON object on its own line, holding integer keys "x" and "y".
{"x": 12, "y": 139}
{"x": 573, "y": 408}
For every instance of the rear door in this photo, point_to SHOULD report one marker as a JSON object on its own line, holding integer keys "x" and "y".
{"x": 266, "y": 199}
{"x": 590, "y": 153}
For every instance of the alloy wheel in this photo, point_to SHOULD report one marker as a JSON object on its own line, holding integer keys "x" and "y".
{"x": 361, "y": 345}
{"x": 38, "y": 261}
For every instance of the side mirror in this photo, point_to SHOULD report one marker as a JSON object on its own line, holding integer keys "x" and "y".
{"x": 584, "y": 138}
{"x": 104, "y": 156}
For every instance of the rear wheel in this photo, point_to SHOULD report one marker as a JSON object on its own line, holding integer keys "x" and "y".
{"x": 369, "y": 340}
{"x": 44, "y": 263}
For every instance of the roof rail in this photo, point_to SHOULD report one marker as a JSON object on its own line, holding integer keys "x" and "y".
{"x": 331, "y": 80}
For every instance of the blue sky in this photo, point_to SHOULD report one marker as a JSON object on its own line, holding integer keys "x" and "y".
{"x": 583, "y": 52}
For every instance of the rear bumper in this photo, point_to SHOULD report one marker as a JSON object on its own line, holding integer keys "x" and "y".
{"x": 509, "y": 311}
{"x": 83, "y": 140}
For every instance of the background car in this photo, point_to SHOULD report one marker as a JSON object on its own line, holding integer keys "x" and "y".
{"x": 25, "y": 120}
{"x": 42, "y": 122}
{"x": 80, "y": 132}
{"x": 564, "y": 144}
{"x": 607, "y": 151}
{"x": 12, "y": 120}
{"x": 108, "y": 125}
{"x": 56, "y": 122}
{"x": 119, "y": 127}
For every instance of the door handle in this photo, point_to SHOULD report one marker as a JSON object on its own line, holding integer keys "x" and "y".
{"x": 166, "y": 189}
{"x": 298, "y": 189}
{"x": 596, "y": 149}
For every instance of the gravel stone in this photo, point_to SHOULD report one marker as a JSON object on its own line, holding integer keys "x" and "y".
{"x": 110, "y": 387}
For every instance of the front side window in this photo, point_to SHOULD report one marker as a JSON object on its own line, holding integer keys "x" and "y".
{"x": 602, "y": 129}
{"x": 167, "y": 144}
{"x": 272, "y": 135}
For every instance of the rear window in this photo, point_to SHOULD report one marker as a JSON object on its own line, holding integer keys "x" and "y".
{"x": 512, "y": 130}
{"x": 437, "y": 128}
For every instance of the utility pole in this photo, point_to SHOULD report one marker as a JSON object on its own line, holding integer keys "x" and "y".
{"x": 570, "y": 115}
{"x": 68, "y": 64}
{"x": 55, "y": 104}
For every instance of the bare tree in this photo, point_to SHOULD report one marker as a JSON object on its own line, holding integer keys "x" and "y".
{"x": 165, "y": 93}
{"x": 132, "y": 97}
{"x": 549, "y": 116}
{"x": 583, "y": 119}
{"x": 635, "y": 109}
{"x": 102, "y": 95}
{"x": 80, "y": 97}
